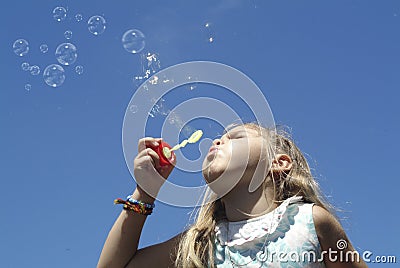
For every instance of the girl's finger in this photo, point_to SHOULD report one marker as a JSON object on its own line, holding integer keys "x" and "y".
{"x": 148, "y": 141}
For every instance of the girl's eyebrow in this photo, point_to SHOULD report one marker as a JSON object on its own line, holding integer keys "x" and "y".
{"x": 236, "y": 131}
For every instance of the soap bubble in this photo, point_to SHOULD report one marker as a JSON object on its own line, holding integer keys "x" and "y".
{"x": 54, "y": 75}
{"x": 59, "y": 13}
{"x": 28, "y": 87}
{"x": 44, "y": 48}
{"x": 210, "y": 35}
{"x": 68, "y": 34}
{"x": 78, "y": 17}
{"x": 21, "y": 47}
{"x": 97, "y": 25}
{"x": 25, "y": 66}
{"x": 133, "y": 41}
{"x": 35, "y": 70}
{"x": 79, "y": 69}
{"x": 66, "y": 53}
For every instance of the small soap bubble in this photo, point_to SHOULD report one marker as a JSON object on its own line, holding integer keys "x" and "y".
{"x": 97, "y": 25}
{"x": 44, "y": 48}
{"x": 35, "y": 70}
{"x": 133, "y": 108}
{"x": 28, "y": 87}
{"x": 79, "y": 69}
{"x": 21, "y": 47}
{"x": 209, "y": 31}
{"x": 25, "y": 66}
{"x": 54, "y": 75}
{"x": 133, "y": 41}
{"x": 68, "y": 34}
{"x": 78, "y": 17}
{"x": 66, "y": 53}
{"x": 59, "y": 13}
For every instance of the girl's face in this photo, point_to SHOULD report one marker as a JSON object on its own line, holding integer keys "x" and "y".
{"x": 234, "y": 157}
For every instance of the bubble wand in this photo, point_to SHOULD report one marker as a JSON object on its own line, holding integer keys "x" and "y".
{"x": 166, "y": 152}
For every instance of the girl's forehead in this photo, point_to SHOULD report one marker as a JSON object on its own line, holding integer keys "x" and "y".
{"x": 242, "y": 129}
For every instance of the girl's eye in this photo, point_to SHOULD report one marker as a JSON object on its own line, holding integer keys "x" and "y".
{"x": 236, "y": 137}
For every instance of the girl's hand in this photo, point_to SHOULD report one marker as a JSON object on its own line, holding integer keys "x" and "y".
{"x": 148, "y": 172}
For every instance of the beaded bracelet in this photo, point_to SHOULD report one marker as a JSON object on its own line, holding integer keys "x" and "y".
{"x": 135, "y": 205}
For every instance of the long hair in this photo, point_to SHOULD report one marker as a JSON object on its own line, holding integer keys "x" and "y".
{"x": 196, "y": 247}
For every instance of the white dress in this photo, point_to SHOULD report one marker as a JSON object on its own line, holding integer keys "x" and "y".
{"x": 284, "y": 237}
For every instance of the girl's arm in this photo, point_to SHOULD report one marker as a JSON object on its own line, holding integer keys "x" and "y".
{"x": 329, "y": 232}
{"x": 120, "y": 248}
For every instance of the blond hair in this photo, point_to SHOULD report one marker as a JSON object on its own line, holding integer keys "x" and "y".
{"x": 196, "y": 247}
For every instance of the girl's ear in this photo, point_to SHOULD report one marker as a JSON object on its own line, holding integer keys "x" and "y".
{"x": 281, "y": 163}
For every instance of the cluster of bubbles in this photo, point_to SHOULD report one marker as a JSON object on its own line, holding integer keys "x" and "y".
{"x": 34, "y": 70}
{"x": 133, "y": 41}
{"x": 66, "y": 53}
{"x": 54, "y": 74}
{"x": 150, "y": 64}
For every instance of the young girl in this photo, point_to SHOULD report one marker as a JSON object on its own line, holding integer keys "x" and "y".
{"x": 265, "y": 210}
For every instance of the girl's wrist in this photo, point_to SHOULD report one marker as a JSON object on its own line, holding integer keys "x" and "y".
{"x": 142, "y": 195}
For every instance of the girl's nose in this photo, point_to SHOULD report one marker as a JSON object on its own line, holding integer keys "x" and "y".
{"x": 217, "y": 142}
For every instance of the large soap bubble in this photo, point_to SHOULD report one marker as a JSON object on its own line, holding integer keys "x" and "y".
{"x": 133, "y": 41}
{"x": 66, "y": 53}
{"x": 59, "y": 13}
{"x": 54, "y": 75}
{"x": 97, "y": 25}
{"x": 21, "y": 47}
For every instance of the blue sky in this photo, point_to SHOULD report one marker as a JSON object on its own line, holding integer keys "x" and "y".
{"x": 329, "y": 70}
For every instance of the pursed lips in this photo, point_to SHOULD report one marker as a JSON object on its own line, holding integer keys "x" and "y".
{"x": 213, "y": 150}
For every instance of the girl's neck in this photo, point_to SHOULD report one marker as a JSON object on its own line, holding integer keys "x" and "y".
{"x": 240, "y": 204}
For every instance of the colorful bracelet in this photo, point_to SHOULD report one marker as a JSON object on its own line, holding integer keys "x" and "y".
{"x": 135, "y": 205}
{"x": 134, "y": 201}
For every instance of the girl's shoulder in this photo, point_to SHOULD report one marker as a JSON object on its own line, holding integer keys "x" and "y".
{"x": 325, "y": 223}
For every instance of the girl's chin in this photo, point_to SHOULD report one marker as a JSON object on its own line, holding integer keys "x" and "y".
{"x": 211, "y": 172}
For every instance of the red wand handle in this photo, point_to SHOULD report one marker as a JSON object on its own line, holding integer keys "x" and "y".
{"x": 164, "y": 152}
